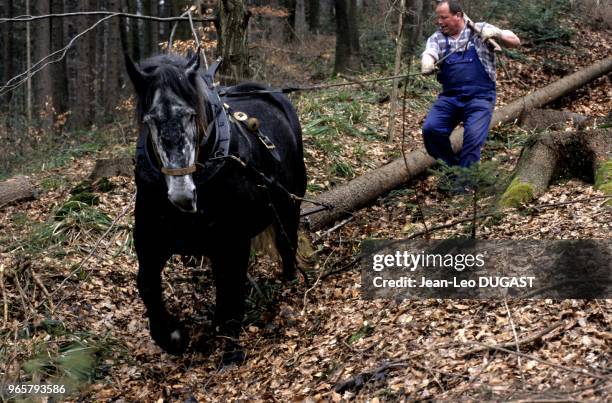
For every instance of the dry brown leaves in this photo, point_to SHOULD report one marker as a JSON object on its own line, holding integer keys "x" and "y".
{"x": 330, "y": 344}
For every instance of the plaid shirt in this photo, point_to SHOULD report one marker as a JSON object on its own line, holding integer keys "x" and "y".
{"x": 436, "y": 46}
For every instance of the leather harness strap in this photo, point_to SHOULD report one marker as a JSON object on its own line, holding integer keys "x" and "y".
{"x": 178, "y": 171}
{"x": 222, "y": 115}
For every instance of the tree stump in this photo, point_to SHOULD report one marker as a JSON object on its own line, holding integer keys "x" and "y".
{"x": 585, "y": 154}
{"x": 108, "y": 167}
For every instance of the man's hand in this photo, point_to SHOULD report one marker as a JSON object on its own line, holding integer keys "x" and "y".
{"x": 427, "y": 65}
{"x": 490, "y": 32}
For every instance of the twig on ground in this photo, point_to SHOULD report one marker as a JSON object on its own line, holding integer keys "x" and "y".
{"x": 579, "y": 371}
{"x": 451, "y": 224}
{"x": 4, "y": 298}
{"x": 341, "y": 269}
{"x": 357, "y": 381}
{"x": 40, "y": 284}
{"x": 332, "y": 229}
{"x": 24, "y": 300}
{"x": 526, "y": 340}
{"x": 317, "y": 281}
{"x": 516, "y": 342}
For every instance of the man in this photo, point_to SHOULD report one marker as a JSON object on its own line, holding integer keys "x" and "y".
{"x": 467, "y": 76}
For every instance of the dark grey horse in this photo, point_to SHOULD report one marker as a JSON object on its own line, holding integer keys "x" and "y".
{"x": 207, "y": 183}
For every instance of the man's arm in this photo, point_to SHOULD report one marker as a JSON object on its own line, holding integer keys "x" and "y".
{"x": 430, "y": 56}
{"x": 505, "y": 37}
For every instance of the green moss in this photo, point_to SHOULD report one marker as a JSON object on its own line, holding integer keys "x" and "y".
{"x": 517, "y": 194}
{"x": 603, "y": 176}
{"x": 603, "y": 180}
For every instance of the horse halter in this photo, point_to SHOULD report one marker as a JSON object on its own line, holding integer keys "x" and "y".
{"x": 186, "y": 170}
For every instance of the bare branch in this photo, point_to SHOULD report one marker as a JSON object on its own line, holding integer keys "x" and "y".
{"x": 23, "y": 77}
{"x": 26, "y": 18}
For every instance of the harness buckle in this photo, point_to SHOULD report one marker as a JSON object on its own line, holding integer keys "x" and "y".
{"x": 266, "y": 141}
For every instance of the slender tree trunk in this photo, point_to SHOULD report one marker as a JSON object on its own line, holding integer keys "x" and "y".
{"x": 152, "y": 28}
{"x": 347, "y": 38}
{"x": 43, "y": 83}
{"x": 399, "y": 41}
{"x": 313, "y": 15}
{"x": 233, "y": 20}
{"x": 415, "y": 25}
{"x": 78, "y": 68}
{"x": 137, "y": 53}
{"x": 7, "y": 57}
{"x": 114, "y": 62}
{"x": 290, "y": 34}
{"x": 300, "y": 19}
{"x": 58, "y": 70}
{"x": 28, "y": 67}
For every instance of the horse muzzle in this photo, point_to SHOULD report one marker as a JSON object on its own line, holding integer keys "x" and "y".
{"x": 182, "y": 193}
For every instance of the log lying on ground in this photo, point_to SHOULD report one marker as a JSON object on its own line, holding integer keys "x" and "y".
{"x": 549, "y": 119}
{"x": 108, "y": 167}
{"x": 362, "y": 190}
{"x": 584, "y": 154}
{"x": 15, "y": 189}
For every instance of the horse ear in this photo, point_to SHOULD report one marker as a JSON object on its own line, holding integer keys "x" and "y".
{"x": 194, "y": 62}
{"x": 139, "y": 78}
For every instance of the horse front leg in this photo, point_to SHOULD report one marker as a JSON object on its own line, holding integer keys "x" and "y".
{"x": 167, "y": 332}
{"x": 229, "y": 265}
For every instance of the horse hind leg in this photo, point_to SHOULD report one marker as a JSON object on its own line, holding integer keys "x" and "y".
{"x": 286, "y": 233}
{"x": 229, "y": 265}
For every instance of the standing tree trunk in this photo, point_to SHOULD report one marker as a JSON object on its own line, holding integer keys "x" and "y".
{"x": 232, "y": 23}
{"x": 290, "y": 27}
{"x": 58, "y": 70}
{"x": 299, "y": 24}
{"x": 137, "y": 53}
{"x": 347, "y": 38}
{"x": 114, "y": 62}
{"x": 152, "y": 28}
{"x": 399, "y": 41}
{"x": 28, "y": 67}
{"x": 313, "y": 15}
{"x": 43, "y": 84}
{"x": 7, "y": 57}
{"x": 414, "y": 25}
{"x": 78, "y": 69}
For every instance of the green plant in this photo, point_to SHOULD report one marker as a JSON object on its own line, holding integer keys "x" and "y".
{"x": 71, "y": 220}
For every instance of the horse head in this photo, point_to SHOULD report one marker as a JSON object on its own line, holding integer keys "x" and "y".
{"x": 172, "y": 106}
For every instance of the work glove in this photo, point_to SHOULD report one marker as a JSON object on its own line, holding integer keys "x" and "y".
{"x": 427, "y": 65}
{"x": 489, "y": 32}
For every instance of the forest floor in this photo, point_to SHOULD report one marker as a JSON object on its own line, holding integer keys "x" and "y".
{"x": 72, "y": 315}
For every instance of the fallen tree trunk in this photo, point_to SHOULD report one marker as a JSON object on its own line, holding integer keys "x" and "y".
{"x": 15, "y": 189}
{"x": 362, "y": 190}
{"x": 549, "y": 119}
{"x": 549, "y": 155}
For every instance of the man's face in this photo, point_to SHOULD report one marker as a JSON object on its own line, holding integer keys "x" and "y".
{"x": 449, "y": 24}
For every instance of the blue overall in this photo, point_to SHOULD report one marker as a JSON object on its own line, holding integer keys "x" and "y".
{"x": 468, "y": 96}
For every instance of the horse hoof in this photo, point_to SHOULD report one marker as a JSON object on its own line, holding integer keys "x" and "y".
{"x": 174, "y": 341}
{"x": 289, "y": 276}
{"x": 233, "y": 357}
